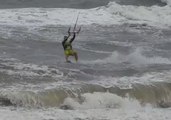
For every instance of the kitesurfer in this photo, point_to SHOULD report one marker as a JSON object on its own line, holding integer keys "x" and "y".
{"x": 67, "y": 45}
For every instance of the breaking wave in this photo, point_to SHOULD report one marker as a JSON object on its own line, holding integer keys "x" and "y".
{"x": 90, "y": 97}
{"x": 111, "y": 14}
{"x": 135, "y": 58}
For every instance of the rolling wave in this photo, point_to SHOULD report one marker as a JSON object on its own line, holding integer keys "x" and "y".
{"x": 89, "y": 97}
{"x": 111, "y": 14}
{"x": 84, "y": 4}
{"x": 136, "y": 58}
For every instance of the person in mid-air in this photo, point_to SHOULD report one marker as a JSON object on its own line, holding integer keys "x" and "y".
{"x": 67, "y": 45}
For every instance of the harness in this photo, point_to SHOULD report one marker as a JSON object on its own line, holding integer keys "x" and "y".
{"x": 67, "y": 46}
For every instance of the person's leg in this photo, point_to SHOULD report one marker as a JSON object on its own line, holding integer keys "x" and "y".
{"x": 76, "y": 56}
{"x": 66, "y": 55}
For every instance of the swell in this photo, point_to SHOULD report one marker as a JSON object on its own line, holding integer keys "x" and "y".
{"x": 108, "y": 15}
{"x": 84, "y": 4}
{"x": 53, "y": 3}
{"x": 156, "y": 94}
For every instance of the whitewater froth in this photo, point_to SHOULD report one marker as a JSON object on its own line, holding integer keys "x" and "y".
{"x": 140, "y": 14}
{"x": 111, "y": 14}
{"x": 98, "y": 100}
{"x": 135, "y": 58}
{"x": 167, "y": 1}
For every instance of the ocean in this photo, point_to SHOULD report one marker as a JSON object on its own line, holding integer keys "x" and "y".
{"x": 124, "y": 60}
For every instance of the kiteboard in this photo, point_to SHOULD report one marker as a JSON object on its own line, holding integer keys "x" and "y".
{"x": 68, "y": 61}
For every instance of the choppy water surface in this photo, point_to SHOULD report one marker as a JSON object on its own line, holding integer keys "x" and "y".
{"x": 123, "y": 70}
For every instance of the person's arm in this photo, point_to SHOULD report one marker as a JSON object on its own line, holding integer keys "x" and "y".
{"x": 72, "y": 39}
{"x": 63, "y": 42}
{"x": 65, "y": 39}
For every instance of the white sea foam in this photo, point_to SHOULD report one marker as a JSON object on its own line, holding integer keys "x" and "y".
{"x": 45, "y": 16}
{"x": 155, "y": 15}
{"x": 23, "y": 69}
{"x": 132, "y": 113}
{"x": 135, "y": 58}
{"x": 98, "y": 100}
{"x": 126, "y": 82}
{"x": 97, "y": 105}
{"x": 113, "y": 13}
{"x": 138, "y": 58}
